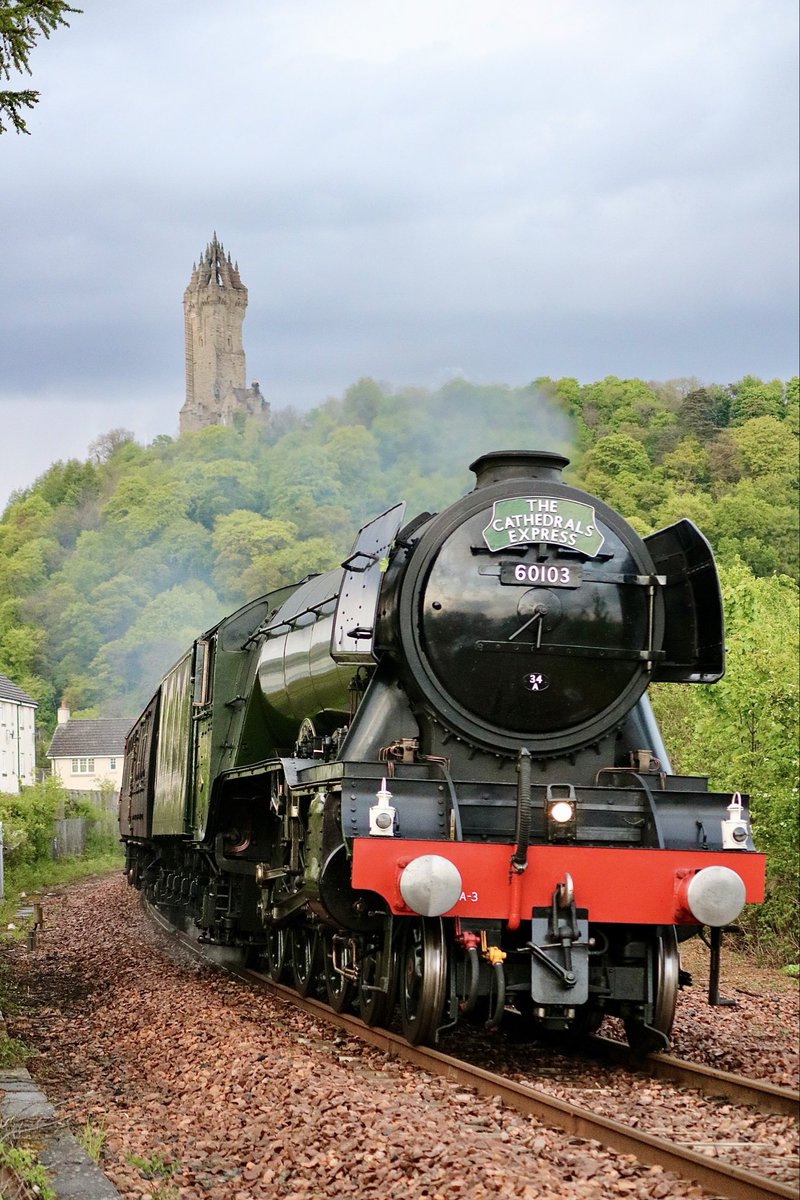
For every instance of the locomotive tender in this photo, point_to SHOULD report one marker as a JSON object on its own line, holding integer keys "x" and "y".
{"x": 432, "y": 778}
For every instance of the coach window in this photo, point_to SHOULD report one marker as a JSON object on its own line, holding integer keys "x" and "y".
{"x": 203, "y": 671}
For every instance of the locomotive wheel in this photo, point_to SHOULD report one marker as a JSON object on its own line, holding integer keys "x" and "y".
{"x": 275, "y": 953}
{"x": 423, "y": 974}
{"x": 375, "y": 1006}
{"x": 338, "y": 987}
{"x": 666, "y": 963}
{"x": 304, "y": 957}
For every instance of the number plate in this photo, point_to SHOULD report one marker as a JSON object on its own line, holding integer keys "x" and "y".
{"x": 546, "y": 574}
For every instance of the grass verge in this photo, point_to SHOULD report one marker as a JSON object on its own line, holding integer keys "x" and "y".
{"x": 22, "y": 1168}
{"x": 31, "y": 879}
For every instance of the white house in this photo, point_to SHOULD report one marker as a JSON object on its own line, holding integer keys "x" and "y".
{"x": 87, "y": 754}
{"x": 17, "y": 737}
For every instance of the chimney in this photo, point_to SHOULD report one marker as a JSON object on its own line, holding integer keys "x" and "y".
{"x": 63, "y": 713}
{"x": 500, "y": 465}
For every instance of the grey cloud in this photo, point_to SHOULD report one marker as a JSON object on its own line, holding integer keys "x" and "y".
{"x": 597, "y": 189}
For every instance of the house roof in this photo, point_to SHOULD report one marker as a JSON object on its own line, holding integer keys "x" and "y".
{"x": 10, "y": 691}
{"x": 102, "y": 737}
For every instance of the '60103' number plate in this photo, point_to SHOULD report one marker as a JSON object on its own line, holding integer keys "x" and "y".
{"x": 542, "y": 574}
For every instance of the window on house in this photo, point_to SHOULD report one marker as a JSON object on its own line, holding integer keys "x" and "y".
{"x": 112, "y": 764}
{"x": 83, "y": 766}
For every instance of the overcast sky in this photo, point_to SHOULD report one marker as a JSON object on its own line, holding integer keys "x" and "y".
{"x": 494, "y": 188}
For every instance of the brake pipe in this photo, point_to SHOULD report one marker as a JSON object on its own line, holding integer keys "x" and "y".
{"x": 467, "y": 1005}
{"x": 519, "y": 859}
{"x": 497, "y": 957}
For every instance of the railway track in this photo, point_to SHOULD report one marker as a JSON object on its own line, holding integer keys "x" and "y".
{"x": 720, "y": 1178}
{"x": 766, "y": 1097}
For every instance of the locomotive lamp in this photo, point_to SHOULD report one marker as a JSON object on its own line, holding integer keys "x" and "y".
{"x": 382, "y": 815}
{"x": 562, "y": 815}
{"x": 735, "y": 831}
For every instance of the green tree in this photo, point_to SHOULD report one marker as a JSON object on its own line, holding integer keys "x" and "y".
{"x": 288, "y": 565}
{"x": 760, "y": 526}
{"x": 609, "y": 402}
{"x": 768, "y": 447}
{"x": 299, "y": 470}
{"x": 141, "y": 507}
{"x": 241, "y": 539}
{"x": 28, "y": 818}
{"x": 354, "y": 450}
{"x": 68, "y": 483}
{"x": 130, "y": 667}
{"x": 743, "y": 731}
{"x": 22, "y": 23}
{"x": 221, "y": 486}
{"x": 362, "y": 402}
{"x": 618, "y": 470}
{"x": 703, "y": 411}
{"x": 20, "y": 643}
{"x": 615, "y": 455}
{"x": 687, "y": 464}
{"x": 724, "y": 460}
{"x": 751, "y": 397}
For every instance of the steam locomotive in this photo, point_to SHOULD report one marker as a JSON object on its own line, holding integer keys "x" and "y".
{"x": 432, "y": 780}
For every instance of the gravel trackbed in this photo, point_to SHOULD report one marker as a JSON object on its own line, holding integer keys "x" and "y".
{"x": 202, "y": 1088}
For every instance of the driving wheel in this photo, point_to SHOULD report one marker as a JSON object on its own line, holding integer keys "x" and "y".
{"x": 275, "y": 954}
{"x": 423, "y": 975}
{"x": 303, "y": 957}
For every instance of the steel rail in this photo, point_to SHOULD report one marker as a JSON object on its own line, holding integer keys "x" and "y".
{"x": 723, "y": 1179}
{"x": 767, "y": 1097}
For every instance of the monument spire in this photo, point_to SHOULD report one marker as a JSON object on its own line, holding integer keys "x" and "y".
{"x": 214, "y": 306}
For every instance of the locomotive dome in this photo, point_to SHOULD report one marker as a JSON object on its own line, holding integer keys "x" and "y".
{"x": 529, "y": 611}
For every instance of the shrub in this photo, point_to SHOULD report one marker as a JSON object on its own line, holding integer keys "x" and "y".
{"x": 28, "y": 821}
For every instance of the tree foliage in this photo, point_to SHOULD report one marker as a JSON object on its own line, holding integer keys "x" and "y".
{"x": 743, "y": 733}
{"x": 22, "y": 23}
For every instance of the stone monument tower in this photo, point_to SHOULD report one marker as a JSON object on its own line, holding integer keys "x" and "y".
{"x": 214, "y": 305}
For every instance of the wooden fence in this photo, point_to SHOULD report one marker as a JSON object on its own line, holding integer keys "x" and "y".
{"x": 70, "y": 833}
